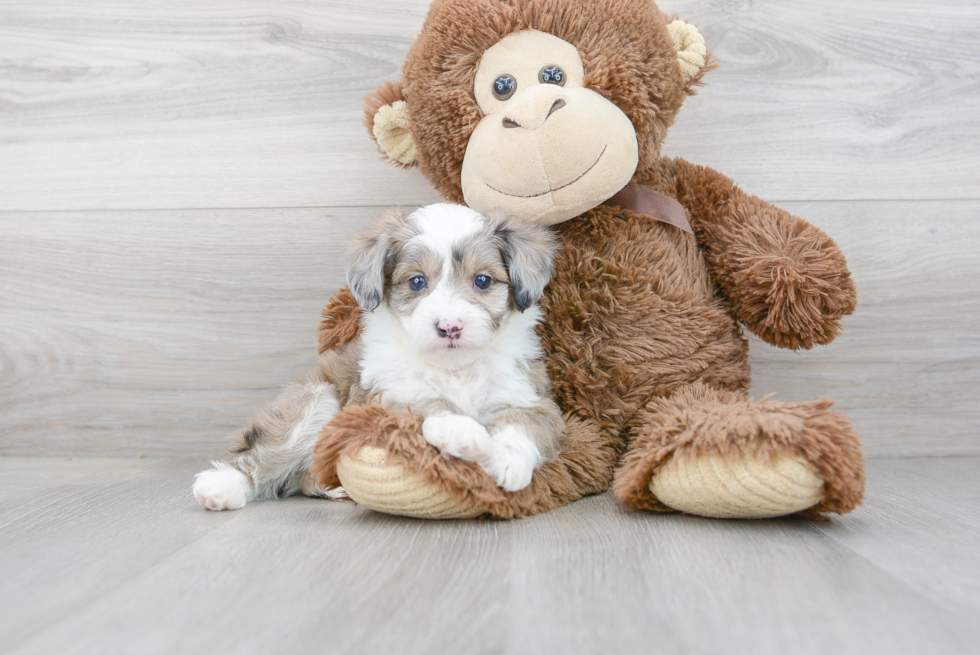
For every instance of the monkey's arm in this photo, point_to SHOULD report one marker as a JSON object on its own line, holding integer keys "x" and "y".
{"x": 341, "y": 321}
{"x": 786, "y": 280}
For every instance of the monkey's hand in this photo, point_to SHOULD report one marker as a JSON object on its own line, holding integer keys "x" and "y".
{"x": 786, "y": 280}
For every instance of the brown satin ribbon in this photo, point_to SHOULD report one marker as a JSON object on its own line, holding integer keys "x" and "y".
{"x": 653, "y": 204}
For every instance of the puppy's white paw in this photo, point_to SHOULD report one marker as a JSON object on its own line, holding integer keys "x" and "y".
{"x": 513, "y": 459}
{"x": 221, "y": 488}
{"x": 337, "y": 493}
{"x": 457, "y": 436}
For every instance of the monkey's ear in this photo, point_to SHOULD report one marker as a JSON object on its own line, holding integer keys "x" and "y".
{"x": 692, "y": 53}
{"x": 386, "y": 117}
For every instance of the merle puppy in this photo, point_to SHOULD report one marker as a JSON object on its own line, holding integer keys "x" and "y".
{"x": 448, "y": 330}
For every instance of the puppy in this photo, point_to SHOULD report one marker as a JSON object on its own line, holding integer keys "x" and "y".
{"x": 447, "y": 331}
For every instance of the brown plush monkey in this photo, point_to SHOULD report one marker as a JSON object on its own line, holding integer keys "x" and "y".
{"x": 544, "y": 110}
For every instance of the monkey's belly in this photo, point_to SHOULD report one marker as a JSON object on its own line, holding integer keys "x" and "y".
{"x": 631, "y": 314}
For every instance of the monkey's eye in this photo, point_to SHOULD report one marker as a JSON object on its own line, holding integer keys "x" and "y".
{"x": 552, "y": 75}
{"x": 482, "y": 281}
{"x": 417, "y": 283}
{"x": 504, "y": 87}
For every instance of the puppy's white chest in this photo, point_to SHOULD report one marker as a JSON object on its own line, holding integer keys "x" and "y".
{"x": 476, "y": 390}
{"x": 472, "y": 390}
{"x": 477, "y": 384}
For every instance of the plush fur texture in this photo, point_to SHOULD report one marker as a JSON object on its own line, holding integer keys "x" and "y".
{"x": 341, "y": 321}
{"x": 628, "y": 54}
{"x": 785, "y": 279}
{"x": 619, "y": 358}
{"x": 642, "y": 321}
{"x": 584, "y": 467}
{"x": 700, "y": 419}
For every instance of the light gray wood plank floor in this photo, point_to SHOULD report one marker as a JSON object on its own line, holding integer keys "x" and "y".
{"x": 114, "y": 555}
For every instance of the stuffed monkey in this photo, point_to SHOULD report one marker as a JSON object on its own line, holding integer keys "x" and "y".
{"x": 554, "y": 112}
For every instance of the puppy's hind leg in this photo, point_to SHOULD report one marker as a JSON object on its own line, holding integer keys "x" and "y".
{"x": 272, "y": 455}
{"x": 222, "y": 487}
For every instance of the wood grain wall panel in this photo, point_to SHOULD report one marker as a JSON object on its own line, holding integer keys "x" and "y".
{"x": 846, "y": 99}
{"x": 114, "y": 104}
{"x": 907, "y": 367}
{"x": 157, "y": 332}
{"x": 119, "y": 105}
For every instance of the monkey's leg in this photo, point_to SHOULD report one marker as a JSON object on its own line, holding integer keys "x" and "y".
{"x": 384, "y": 463}
{"x": 715, "y": 453}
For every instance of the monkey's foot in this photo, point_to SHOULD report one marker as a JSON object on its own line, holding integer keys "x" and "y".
{"x": 386, "y": 485}
{"x": 383, "y": 462}
{"x": 715, "y": 453}
{"x": 745, "y": 487}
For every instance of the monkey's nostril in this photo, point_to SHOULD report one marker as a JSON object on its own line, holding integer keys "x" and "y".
{"x": 559, "y": 103}
{"x": 555, "y": 106}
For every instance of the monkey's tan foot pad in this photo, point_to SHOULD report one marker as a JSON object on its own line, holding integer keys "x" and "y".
{"x": 387, "y": 485}
{"x": 745, "y": 487}
{"x": 383, "y": 462}
{"x": 714, "y": 452}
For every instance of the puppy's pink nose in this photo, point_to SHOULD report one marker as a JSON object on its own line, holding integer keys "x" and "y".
{"x": 448, "y": 328}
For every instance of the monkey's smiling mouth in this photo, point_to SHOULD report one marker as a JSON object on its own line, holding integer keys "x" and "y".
{"x": 567, "y": 184}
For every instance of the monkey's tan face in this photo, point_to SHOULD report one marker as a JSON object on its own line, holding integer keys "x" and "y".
{"x": 547, "y": 148}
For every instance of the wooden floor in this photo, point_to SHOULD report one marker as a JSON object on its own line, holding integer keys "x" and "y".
{"x": 114, "y": 555}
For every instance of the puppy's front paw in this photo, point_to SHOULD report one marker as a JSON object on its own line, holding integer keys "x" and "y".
{"x": 457, "y": 436}
{"x": 513, "y": 459}
{"x": 221, "y": 488}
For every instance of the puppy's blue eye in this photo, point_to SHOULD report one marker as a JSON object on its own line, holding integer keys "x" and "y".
{"x": 552, "y": 75}
{"x": 417, "y": 283}
{"x": 504, "y": 87}
{"x": 482, "y": 281}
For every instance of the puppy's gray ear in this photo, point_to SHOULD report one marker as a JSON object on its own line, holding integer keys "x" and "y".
{"x": 367, "y": 260}
{"x": 528, "y": 252}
